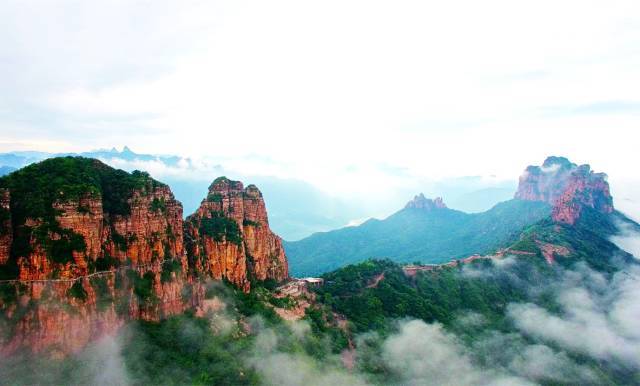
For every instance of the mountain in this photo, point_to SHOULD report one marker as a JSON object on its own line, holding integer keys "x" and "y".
{"x": 513, "y": 312}
{"x": 428, "y": 232}
{"x": 229, "y": 236}
{"x": 85, "y": 248}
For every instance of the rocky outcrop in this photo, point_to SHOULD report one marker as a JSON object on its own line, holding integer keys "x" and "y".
{"x": 78, "y": 267}
{"x": 151, "y": 232}
{"x": 229, "y": 236}
{"x": 567, "y": 187}
{"x": 83, "y": 253}
{"x": 421, "y": 202}
{"x": 6, "y": 232}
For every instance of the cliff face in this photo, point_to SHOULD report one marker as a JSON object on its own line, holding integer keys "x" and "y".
{"x": 229, "y": 236}
{"x": 421, "y": 202}
{"x": 6, "y": 232}
{"x": 85, "y": 248}
{"x": 567, "y": 187}
{"x": 79, "y": 258}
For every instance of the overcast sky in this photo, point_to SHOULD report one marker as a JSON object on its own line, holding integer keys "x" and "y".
{"x": 343, "y": 94}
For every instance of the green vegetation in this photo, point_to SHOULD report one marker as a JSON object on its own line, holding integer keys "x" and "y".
{"x": 246, "y": 222}
{"x": 38, "y": 189}
{"x": 414, "y": 234}
{"x": 106, "y": 263}
{"x": 5, "y": 216}
{"x": 441, "y": 295}
{"x": 221, "y": 228}
{"x": 169, "y": 267}
{"x": 119, "y": 240}
{"x": 432, "y": 296}
{"x": 104, "y": 298}
{"x": 77, "y": 291}
{"x": 158, "y": 205}
{"x": 184, "y": 350}
{"x": 214, "y": 197}
{"x": 143, "y": 286}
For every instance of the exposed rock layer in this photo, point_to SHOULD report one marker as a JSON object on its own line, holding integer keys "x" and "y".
{"x": 241, "y": 251}
{"x": 569, "y": 188}
{"x": 82, "y": 272}
{"x": 6, "y": 232}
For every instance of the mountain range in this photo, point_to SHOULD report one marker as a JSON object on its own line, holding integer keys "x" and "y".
{"x": 103, "y": 280}
{"x": 426, "y": 231}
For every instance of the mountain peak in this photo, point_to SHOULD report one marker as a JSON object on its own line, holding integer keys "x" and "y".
{"x": 421, "y": 202}
{"x": 567, "y": 187}
{"x": 224, "y": 184}
{"x": 555, "y": 162}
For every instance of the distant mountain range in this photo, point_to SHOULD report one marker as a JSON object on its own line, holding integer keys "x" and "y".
{"x": 415, "y": 234}
{"x": 297, "y": 209}
{"x": 426, "y": 231}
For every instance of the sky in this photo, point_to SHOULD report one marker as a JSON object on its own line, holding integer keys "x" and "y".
{"x": 352, "y": 96}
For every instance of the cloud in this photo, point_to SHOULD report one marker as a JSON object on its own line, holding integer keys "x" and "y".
{"x": 424, "y": 354}
{"x": 628, "y": 239}
{"x": 100, "y": 363}
{"x": 293, "y": 369}
{"x": 603, "y": 311}
{"x": 103, "y": 363}
{"x": 540, "y": 362}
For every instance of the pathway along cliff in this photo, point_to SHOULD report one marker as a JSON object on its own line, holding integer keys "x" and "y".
{"x": 84, "y": 248}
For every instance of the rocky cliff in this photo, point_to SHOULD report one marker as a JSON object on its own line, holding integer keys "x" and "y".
{"x": 229, "y": 236}
{"x": 84, "y": 248}
{"x": 569, "y": 188}
{"x": 421, "y": 202}
{"x": 6, "y": 232}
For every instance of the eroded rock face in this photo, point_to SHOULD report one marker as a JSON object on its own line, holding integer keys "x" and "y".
{"x": 58, "y": 304}
{"x": 101, "y": 257}
{"x": 229, "y": 236}
{"x": 421, "y": 202}
{"x": 150, "y": 233}
{"x": 6, "y": 232}
{"x": 567, "y": 187}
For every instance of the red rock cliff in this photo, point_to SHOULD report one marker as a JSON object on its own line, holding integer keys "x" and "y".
{"x": 567, "y": 187}
{"x": 229, "y": 236}
{"x": 101, "y": 247}
{"x": 84, "y": 272}
{"x": 6, "y": 233}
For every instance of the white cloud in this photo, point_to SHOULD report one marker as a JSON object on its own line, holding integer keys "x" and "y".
{"x": 628, "y": 239}
{"x": 424, "y": 354}
{"x": 604, "y": 313}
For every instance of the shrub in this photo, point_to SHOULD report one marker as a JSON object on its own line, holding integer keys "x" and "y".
{"x": 221, "y": 228}
{"x": 143, "y": 286}
{"x": 77, "y": 291}
{"x": 158, "y": 205}
{"x": 168, "y": 267}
